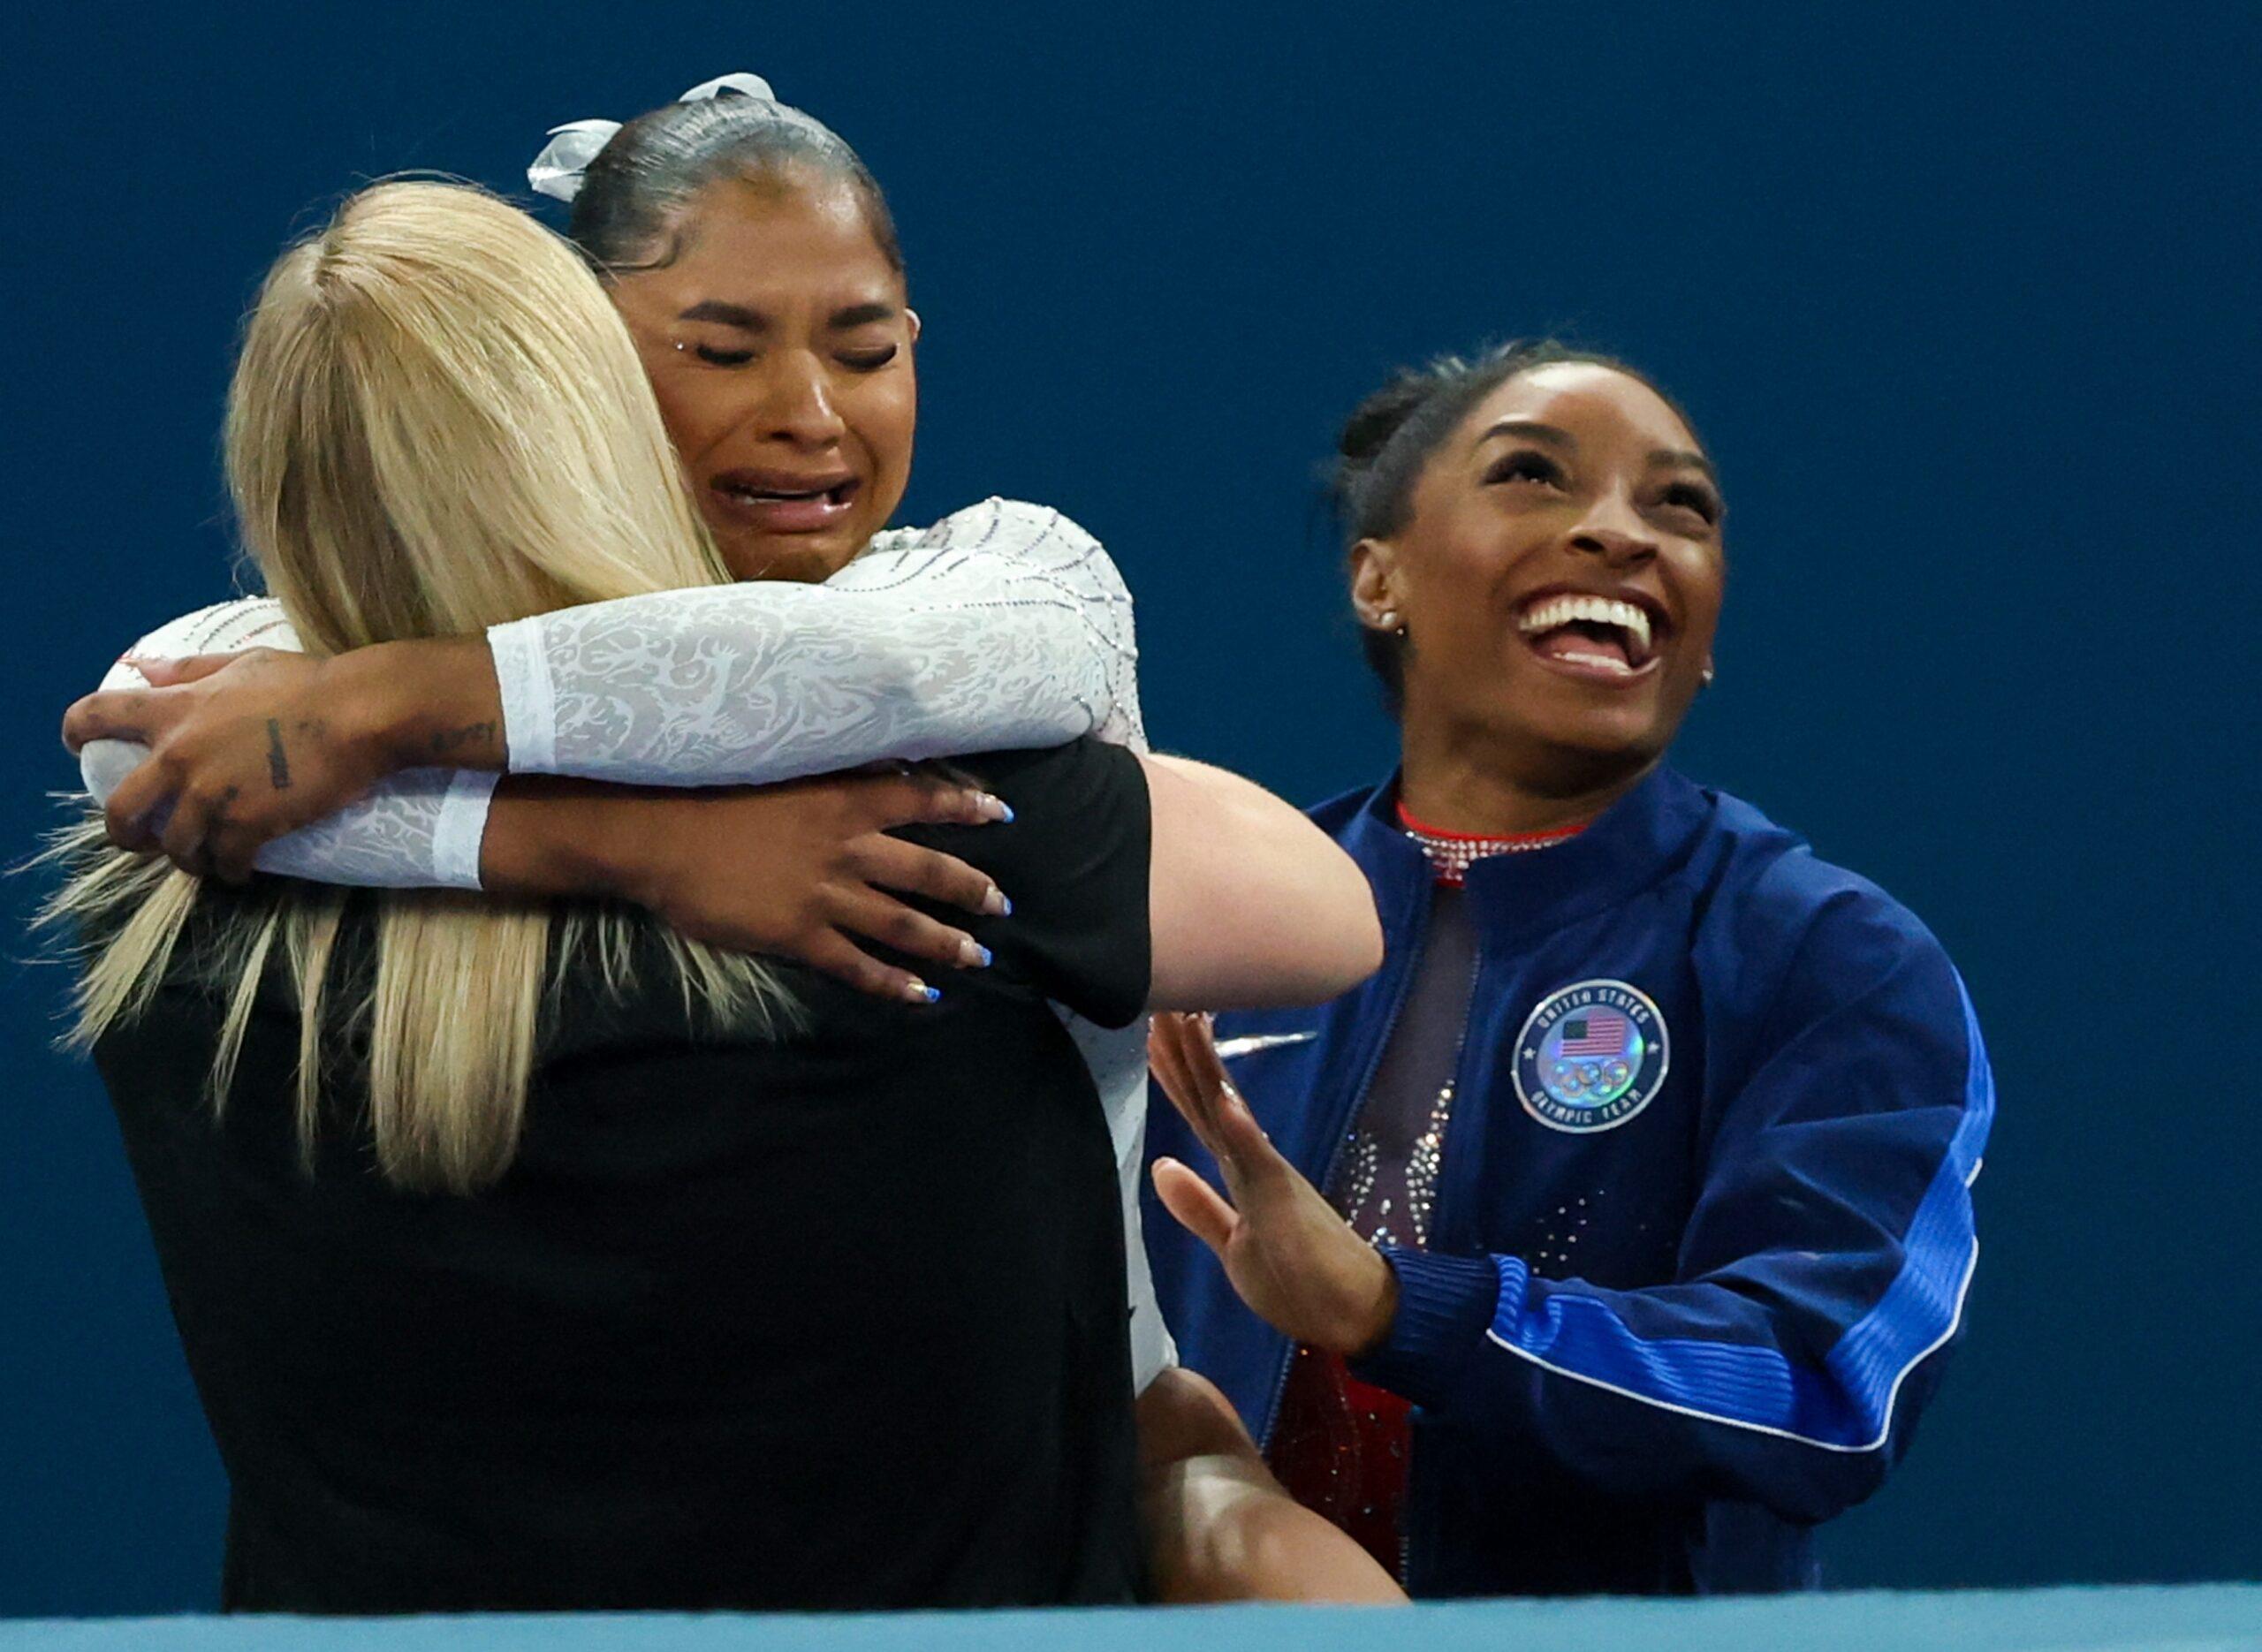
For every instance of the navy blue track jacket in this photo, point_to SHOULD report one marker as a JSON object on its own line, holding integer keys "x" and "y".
{"x": 1703, "y": 1227}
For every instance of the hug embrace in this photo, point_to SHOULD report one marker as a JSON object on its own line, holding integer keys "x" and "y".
{"x": 627, "y": 980}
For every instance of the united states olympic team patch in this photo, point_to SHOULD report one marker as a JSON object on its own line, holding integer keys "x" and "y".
{"x": 1591, "y": 1056}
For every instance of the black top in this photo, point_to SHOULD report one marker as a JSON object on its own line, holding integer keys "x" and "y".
{"x": 833, "y": 1322}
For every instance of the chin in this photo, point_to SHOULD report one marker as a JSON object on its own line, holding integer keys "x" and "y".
{"x": 805, "y": 558}
{"x": 1591, "y": 745}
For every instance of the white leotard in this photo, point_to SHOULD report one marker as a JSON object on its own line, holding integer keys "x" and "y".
{"x": 1004, "y": 625}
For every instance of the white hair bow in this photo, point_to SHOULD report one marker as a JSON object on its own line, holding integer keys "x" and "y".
{"x": 559, "y": 170}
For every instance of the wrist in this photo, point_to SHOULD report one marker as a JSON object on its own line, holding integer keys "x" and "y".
{"x": 1444, "y": 1305}
{"x": 551, "y": 837}
{"x": 1371, "y": 1327}
{"x": 431, "y": 703}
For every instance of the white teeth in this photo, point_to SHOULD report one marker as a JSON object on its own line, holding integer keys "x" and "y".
{"x": 1601, "y": 610}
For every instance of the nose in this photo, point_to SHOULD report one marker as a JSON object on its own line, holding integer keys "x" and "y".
{"x": 1613, "y": 530}
{"x": 797, "y": 403}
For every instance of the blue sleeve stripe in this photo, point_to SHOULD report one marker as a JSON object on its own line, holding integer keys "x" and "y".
{"x": 1846, "y": 1404}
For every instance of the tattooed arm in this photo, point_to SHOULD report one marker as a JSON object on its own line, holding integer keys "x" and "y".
{"x": 1005, "y": 625}
{"x": 419, "y": 826}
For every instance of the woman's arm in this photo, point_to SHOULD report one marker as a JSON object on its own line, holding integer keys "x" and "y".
{"x": 1219, "y": 1526}
{"x": 1823, "y": 1269}
{"x": 419, "y": 827}
{"x": 1251, "y": 906}
{"x": 1004, "y": 625}
{"x": 806, "y": 869}
{"x": 825, "y": 884}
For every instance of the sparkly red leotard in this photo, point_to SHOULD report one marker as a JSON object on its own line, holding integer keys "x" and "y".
{"x": 1340, "y": 1446}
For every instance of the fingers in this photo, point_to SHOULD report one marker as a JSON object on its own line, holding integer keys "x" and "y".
{"x": 134, "y": 814}
{"x": 193, "y": 668}
{"x": 231, "y": 848}
{"x": 882, "y": 918}
{"x": 115, "y": 714}
{"x": 1198, "y": 1206}
{"x": 1165, "y": 1053}
{"x": 834, "y": 954}
{"x": 1185, "y": 1057}
{"x": 1246, "y": 1142}
{"x": 915, "y": 799}
{"x": 182, "y": 838}
{"x": 910, "y": 869}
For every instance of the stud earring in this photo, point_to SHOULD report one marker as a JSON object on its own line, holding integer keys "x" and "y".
{"x": 1705, "y": 681}
{"x": 1388, "y": 619}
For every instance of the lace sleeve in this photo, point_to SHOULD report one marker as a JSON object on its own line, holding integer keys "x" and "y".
{"x": 1005, "y": 626}
{"x": 420, "y": 829}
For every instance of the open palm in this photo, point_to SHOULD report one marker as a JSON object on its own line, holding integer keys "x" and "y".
{"x": 1299, "y": 1266}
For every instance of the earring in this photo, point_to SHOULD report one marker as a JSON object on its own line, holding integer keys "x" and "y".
{"x": 1705, "y": 681}
{"x": 1387, "y": 620}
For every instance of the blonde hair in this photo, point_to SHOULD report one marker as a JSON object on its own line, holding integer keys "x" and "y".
{"x": 438, "y": 422}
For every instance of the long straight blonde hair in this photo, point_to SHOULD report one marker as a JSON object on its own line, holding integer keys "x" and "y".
{"x": 438, "y": 422}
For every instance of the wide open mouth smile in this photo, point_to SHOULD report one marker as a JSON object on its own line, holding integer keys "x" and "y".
{"x": 1613, "y": 638}
{"x": 781, "y": 503}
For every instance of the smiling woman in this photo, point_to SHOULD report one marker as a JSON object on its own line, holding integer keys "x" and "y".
{"x": 1489, "y": 462}
{"x": 1614, "y": 1229}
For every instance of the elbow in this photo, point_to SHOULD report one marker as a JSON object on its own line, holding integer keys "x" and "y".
{"x": 1807, "y": 1483}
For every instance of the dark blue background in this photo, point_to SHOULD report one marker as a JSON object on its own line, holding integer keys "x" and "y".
{"x": 1963, "y": 299}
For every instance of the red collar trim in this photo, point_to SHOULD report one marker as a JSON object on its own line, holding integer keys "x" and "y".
{"x": 1503, "y": 841}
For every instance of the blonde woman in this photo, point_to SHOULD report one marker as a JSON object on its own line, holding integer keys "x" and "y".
{"x": 754, "y": 260}
{"x": 533, "y": 1257}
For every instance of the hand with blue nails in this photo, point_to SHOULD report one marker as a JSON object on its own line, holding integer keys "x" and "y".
{"x": 804, "y": 870}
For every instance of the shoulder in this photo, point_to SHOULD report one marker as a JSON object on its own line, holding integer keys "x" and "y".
{"x": 1016, "y": 522}
{"x": 1075, "y": 860}
{"x": 1038, "y": 533}
{"x": 1828, "y": 936}
{"x": 1057, "y": 788}
{"x": 1335, "y": 816}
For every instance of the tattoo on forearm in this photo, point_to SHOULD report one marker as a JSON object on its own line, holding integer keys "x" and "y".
{"x": 279, "y": 766}
{"x": 448, "y": 740}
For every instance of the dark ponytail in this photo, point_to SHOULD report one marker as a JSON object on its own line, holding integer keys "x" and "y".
{"x": 629, "y": 213}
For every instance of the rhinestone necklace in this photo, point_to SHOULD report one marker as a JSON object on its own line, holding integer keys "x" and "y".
{"x": 1452, "y": 852}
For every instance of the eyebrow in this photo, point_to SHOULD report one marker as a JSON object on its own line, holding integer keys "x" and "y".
{"x": 1532, "y": 430}
{"x": 749, "y": 321}
{"x": 1678, "y": 456}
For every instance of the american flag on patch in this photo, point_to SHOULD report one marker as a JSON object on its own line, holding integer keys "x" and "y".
{"x": 1597, "y": 1033}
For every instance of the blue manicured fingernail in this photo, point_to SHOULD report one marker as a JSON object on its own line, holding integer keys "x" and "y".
{"x": 1008, "y": 899}
{"x": 933, "y": 994}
